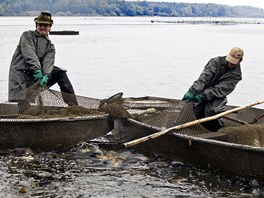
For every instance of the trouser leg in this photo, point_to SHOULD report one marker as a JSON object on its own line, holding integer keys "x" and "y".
{"x": 199, "y": 110}
{"x": 60, "y": 76}
{"x": 211, "y": 108}
{"x": 215, "y": 107}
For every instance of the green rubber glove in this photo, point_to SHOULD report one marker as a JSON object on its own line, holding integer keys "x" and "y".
{"x": 38, "y": 74}
{"x": 198, "y": 98}
{"x": 44, "y": 80}
{"x": 188, "y": 96}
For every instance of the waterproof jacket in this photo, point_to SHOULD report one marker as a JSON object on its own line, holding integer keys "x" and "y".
{"x": 34, "y": 51}
{"x": 217, "y": 79}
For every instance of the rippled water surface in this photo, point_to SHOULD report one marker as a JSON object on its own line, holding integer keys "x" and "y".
{"x": 87, "y": 171}
{"x": 139, "y": 58}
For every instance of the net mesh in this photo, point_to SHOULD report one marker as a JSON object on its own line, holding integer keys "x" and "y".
{"x": 150, "y": 115}
{"x": 44, "y": 97}
{"x": 42, "y": 102}
{"x": 195, "y": 144}
{"x": 130, "y": 118}
{"x": 46, "y": 119}
{"x": 234, "y": 130}
{"x": 250, "y": 134}
{"x": 147, "y": 115}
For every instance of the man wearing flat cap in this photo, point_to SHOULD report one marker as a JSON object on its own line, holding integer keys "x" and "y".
{"x": 218, "y": 79}
{"x": 33, "y": 61}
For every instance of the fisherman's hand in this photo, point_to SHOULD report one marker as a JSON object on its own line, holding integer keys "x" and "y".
{"x": 198, "y": 98}
{"x": 188, "y": 96}
{"x": 38, "y": 74}
{"x": 44, "y": 80}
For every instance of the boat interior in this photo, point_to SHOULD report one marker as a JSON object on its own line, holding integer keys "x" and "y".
{"x": 241, "y": 127}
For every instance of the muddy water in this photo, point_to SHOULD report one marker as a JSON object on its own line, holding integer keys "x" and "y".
{"x": 87, "y": 171}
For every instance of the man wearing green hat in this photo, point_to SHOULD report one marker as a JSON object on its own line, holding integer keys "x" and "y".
{"x": 33, "y": 61}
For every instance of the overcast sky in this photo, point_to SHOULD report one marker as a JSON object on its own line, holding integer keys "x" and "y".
{"x": 253, "y": 3}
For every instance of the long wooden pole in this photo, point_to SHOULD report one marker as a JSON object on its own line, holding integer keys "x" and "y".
{"x": 188, "y": 124}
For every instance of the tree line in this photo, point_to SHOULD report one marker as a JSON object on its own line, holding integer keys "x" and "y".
{"x": 124, "y": 8}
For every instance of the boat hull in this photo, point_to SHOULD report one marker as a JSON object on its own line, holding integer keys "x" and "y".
{"x": 51, "y": 134}
{"x": 227, "y": 157}
{"x": 209, "y": 153}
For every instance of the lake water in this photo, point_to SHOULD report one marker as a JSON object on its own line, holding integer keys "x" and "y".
{"x": 139, "y": 58}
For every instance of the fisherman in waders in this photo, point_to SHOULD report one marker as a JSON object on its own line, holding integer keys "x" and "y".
{"x": 218, "y": 79}
{"x": 33, "y": 61}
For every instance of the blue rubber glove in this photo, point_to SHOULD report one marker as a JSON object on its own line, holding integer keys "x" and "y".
{"x": 188, "y": 96}
{"x": 44, "y": 80}
{"x": 198, "y": 98}
{"x": 38, "y": 74}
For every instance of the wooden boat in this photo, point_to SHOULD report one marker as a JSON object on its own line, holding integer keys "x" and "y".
{"x": 48, "y": 133}
{"x": 197, "y": 145}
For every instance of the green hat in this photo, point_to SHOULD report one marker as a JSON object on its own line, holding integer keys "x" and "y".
{"x": 44, "y": 17}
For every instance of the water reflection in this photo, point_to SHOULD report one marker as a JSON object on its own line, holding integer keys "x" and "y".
{"x": 86, "y": 170}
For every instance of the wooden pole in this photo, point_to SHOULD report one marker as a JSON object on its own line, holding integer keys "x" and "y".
{"x": 188, "y": 124}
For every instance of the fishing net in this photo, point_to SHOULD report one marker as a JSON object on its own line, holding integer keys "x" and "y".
{"x": 42, "y": 102}
{"x": 45, "y": 101}
{"x": 46, "y": 119}
{"x": 150, "y": 115}
{"x": 234, "y": 130}
{"x": 251, "y": 134}
{"x": 123, "y": 119}
{"x": 236, "y": 148}
{"x": 147, "y": 115}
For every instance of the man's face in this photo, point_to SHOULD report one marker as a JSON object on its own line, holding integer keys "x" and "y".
{"x": 43, "y": 29}
{"x": 231, "y": 65}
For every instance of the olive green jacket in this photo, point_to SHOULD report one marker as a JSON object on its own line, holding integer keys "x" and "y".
{"x": 217, "y": 80}
{"x": 33, "y": 52}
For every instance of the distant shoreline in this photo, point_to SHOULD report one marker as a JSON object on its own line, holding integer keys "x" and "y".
{"x": 127, "y": 8}
{"x": 214, "y": 21}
